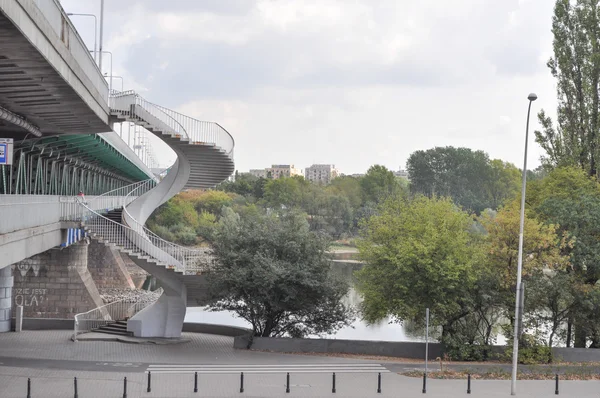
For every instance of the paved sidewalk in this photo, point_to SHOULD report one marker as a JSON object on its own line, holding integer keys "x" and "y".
{"x": 59, "y": 384}
{"x": 51, "y": 360}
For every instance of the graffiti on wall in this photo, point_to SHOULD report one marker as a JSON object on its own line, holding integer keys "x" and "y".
{"x": 28, "y": 297}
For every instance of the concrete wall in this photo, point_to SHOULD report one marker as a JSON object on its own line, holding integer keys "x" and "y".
{"x": 107, "y": 267}
{"x": 45, "y": 324}
{"x": 576, "y": 354}
{"x": 222, "y": 330}
{"x": 362, "y": 347}
{"x": 55, "y": 284}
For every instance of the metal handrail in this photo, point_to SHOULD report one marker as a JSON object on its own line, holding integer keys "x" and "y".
{"x": 201, "y": 131}
{"x": 187, "y": 258}
{"x": 126, "y": 189}
{"x": 70, "y": 205}
{"x": 133, "y": 105}
{"x": 105, "y": 314}
{"x": 196, "y": 131}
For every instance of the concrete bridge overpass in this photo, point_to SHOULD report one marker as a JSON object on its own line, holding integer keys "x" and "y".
{"x": 55, "y": 104}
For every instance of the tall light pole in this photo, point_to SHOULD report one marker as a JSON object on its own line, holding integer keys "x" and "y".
{"x": 111, "y": 59}
{"x": 95, "y": 28}
{"x": 513, "y": 385}
{"x": 101, "y": 35}
{"x": 116, "y": 77}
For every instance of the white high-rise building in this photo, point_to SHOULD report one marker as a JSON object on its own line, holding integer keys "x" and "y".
{"x": 321, "y": 173}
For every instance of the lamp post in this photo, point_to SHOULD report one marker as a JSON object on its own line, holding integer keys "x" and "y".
{"x": 116, "y": 77}
{"x": 95, "y": 27}
{"x": 101, "y": 35}
{"x": 513, "y": 385}
{"x": 111, "y": 59}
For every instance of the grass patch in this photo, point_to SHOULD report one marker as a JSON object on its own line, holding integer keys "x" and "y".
{"x": 577, "y": 373}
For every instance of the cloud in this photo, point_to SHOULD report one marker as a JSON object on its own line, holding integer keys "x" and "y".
{"x": 333, "y": 81}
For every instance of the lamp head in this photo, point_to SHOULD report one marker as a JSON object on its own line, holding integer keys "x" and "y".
{"x": 532, "y": 97}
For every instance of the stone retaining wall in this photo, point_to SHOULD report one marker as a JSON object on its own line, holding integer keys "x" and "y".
{"x": 55, "y": 283}
{"x": 107, "y": 267}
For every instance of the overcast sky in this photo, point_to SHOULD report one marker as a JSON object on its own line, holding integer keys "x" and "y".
{"x": 348, "y": 82}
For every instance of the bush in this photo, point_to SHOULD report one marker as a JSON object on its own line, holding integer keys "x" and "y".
{"x": 536, "y": 354}
{"x": 468, "y": 352}
{"x": 163, "y": 232}
{"x": 531, "y": 351}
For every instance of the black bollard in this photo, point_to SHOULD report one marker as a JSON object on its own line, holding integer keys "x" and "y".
{"x": 287, "y": 383}
{"x": 556, "y": 390}
{"x": 424, "y": 383}
{"x": 195, "y": 381}
{"x": 125, "y": 387}
{"x": 469, "y": 383}
{"x": 28, "y": 387}
{"x": 75, "y": 387}
{"x": 149, "y": 382}
{"x": 333, "y": 388}
{"x": 379, "y": 383}
{"x": 242, "y": 382}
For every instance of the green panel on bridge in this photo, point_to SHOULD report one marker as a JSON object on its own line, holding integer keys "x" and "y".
{"x": 92, "y": 149}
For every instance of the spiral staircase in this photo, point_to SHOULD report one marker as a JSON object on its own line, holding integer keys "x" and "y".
{"x": 204, "y": 158}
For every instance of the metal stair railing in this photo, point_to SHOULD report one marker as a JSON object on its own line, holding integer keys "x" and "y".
{"x": 188, "y": 259}
{"x": 198, "y": 132}
{"x": 103, "y": 315}
{"x": 120, "y": 197}
{"x": 136, "y": 109}
{"x": 201, "y": 132}
{"x": 140, "y": 242}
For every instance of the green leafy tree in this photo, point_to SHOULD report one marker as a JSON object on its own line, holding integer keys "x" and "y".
{"x": 576, "y": 68}
{"x": 569, "y": 198}
{"x": 273, "y": 272}
{"x": 418, "y": 254}
{"x": 245, "y": 184}
{"x": 504, "y": 182}
{"x": 212, "y": 202}
{"x": 378, "y": 184}
{"x": 468, "y": 177}
{"x": 349, "y": 187}
{"x": 284, "y": 191}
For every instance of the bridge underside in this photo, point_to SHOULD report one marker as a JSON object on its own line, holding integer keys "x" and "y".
{"x": 32, "y": 88}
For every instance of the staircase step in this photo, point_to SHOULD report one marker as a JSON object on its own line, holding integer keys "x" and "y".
{"x": 115, "y": 332}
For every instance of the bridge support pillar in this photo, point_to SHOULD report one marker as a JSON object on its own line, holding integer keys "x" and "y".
{"x": 6, "y": 284}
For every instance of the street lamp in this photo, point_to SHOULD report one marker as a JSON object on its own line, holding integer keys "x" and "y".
{"x": 116, "y": 77}
{"x": 95, "y": 27}
{"x": 513, "y": 385}
{"x": 111, "y": 59}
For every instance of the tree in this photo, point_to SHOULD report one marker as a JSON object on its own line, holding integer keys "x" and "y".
{"x": 468, "y": 177}
{"x": 245, "y": 184}
{"x": 576, "y": 67}
{"x": 541, "y": 253}
{"x": 274, "y": 273}
{"x": 418, "y": 254}
{"x": 348, "y": 186}
{"x": 569, "y": 198}
{"x": 504, "y": 182}
{"x": 378, "y": 184}
{"x": 284, "y": 191}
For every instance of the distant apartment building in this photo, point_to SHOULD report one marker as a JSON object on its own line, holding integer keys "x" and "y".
{"x": 321, "y": 173}
{"x": 282, "y": 170}
{"x": 260, "y": 173}
{"x": 402, "y": 174}
{"x": 276, "y": 171}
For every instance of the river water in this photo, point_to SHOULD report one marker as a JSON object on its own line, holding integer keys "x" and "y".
{"x": 359, "y": 330}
